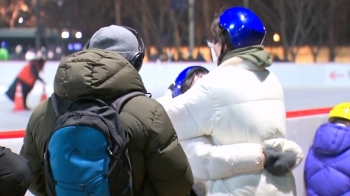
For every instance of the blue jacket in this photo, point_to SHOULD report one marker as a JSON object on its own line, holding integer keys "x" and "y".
{"x": 327, "y": 166}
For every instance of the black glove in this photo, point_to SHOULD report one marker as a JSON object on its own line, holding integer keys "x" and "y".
{"x": 171, "y": 87}
{"x": 279, "y": 163}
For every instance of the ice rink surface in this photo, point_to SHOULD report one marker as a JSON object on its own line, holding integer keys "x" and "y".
{"x": 295, "y": 99}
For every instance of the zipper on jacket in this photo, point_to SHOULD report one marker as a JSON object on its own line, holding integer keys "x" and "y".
{"x": 78, "y": 115}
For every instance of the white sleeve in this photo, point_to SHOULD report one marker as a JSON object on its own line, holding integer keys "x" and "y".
{"x": 283, "y": 145}
{"x": 193, "y": 112}
{"x": 210, "y": 162}
{"x": 165, "y": 98}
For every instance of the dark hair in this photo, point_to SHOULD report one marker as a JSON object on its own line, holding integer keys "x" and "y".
{"x": 338, "y": 120}
{"x": 216, "y": 29}
{"x": 189, "y": 80}
{"x": 220, "y": 35}
{"x": 40, "y": 62}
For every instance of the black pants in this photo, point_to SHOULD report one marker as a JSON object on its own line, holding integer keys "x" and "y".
{"x": 15, "y": 173}
{"x": 25, "y": 91}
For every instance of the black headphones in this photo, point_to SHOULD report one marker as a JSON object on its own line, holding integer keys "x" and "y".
{"x": 137, "y": 56}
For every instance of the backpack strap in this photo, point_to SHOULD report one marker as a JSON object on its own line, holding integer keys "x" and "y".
{"x": 120, "y": 102}
{"x": 60, "y": 105}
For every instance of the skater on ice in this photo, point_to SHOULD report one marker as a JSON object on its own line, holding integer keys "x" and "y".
{"x": 26, "y": 79}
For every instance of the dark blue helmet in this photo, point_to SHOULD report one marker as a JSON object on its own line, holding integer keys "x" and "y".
{"x": 243, "y": 25}
{"x": 179, "y": 86}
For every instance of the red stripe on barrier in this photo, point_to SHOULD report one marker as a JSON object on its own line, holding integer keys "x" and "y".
{"x": 12, "y": 134}
{"x": 290, "y": 114}
{"x": 310, "y": 112}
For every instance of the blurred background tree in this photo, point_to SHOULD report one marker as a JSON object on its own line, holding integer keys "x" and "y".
{"x": 164, "y": 24}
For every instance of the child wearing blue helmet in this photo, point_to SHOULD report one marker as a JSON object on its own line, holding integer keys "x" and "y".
{"x": 184, "y": 81}
{"x": 187, "y": 78}
{"x": 239, "y": 108}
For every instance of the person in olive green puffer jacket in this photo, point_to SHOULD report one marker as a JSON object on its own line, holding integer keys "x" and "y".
{"x": 159, "y": 164}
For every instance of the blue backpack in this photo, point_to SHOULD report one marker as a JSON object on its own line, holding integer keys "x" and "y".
{"x": 86, "y": 153}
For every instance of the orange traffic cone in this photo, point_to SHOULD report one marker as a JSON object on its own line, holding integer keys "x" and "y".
{"x": 19, "y": 102}
{"x": 43, "y": 94}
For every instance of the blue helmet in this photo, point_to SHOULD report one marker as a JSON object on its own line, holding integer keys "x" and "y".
{"x": 243, "y": 25}
{"x": 179, "y": 87}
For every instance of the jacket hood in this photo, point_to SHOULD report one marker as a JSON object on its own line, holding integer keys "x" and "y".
{"x": 331, "y": 139}
{"x": 99, "y": 73}
{"x": 255, "y": 55}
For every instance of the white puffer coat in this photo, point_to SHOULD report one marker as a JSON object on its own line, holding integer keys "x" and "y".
{"x": 225, "y": 121}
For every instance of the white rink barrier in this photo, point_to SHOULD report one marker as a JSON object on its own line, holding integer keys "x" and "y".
{"x": 302, "y": 130}
{"x": 160, "y": 75}
{"x": 301, "y": 127}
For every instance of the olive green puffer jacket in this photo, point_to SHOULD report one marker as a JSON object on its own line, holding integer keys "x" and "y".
{"x": 159, "y": 164}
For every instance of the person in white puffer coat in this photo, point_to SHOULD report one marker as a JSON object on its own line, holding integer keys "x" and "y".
{"x": 231, "y": 122}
